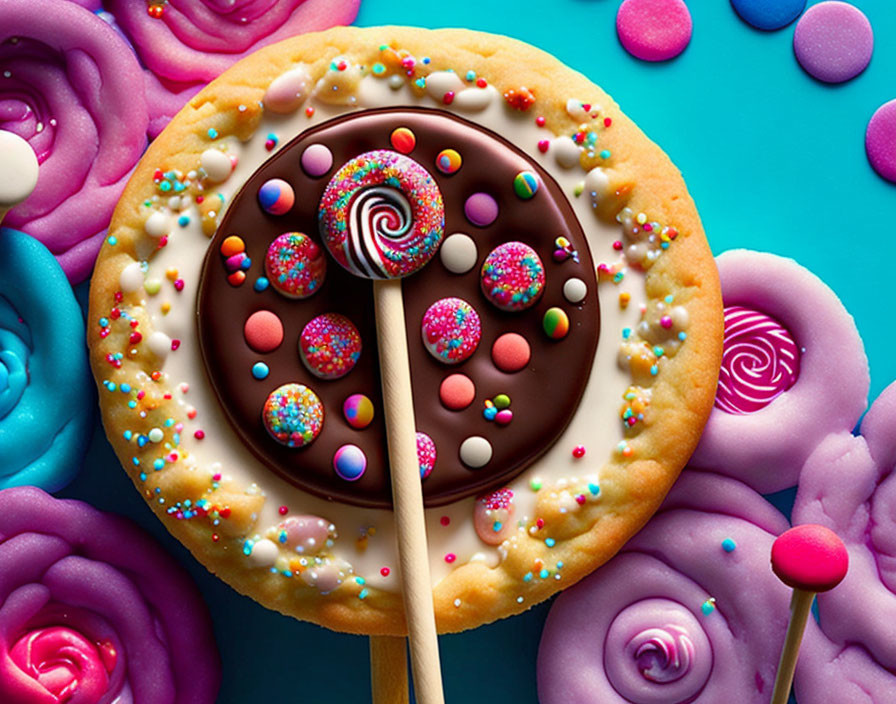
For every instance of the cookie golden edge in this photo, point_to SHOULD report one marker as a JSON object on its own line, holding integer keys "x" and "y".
{"x": 641, "y": 177}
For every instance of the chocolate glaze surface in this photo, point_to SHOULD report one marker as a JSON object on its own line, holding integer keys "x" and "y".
{"x": 544, "y": 395}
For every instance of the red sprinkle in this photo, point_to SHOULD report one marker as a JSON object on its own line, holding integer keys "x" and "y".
{"x": 283, "y": 510}
{"x": 178, "y": 284}
{"x": 199, "y": 434}
{"x": 543, "y": 145}
{"x": 444, "y": 520}
{"x": 224, "y": 513}
{"x": 607, "y": 122}
{"x": 617, "y": 245}
{"x": 580, "y": 499}
{"x": 539, "y": 121}
{"x": 539, "y": 522}
{"x": 448, "y": 98}
{"x": 175, "y": 344}
{"x": 450, "y": 557}
{"x": 578, "y": 451}
{"x": 135, "y": 338}
{"x": 215, "y": 537}
{"x": 385, "y": 571}
{"x": 309, "y": 111}
{"x": 481, "y": 82}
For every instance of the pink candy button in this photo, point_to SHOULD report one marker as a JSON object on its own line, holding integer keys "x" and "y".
{"x": 654, "y": 30}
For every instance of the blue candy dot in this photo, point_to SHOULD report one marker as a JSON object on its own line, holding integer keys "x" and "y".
{"x": 728, "y": 545}
{"x": 769, "y": 14}
{"x": 260, "y": 370}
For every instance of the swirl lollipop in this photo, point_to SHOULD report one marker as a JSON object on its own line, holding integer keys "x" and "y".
{"x": 666, "y": 621}
{"x": 92, "y": 610}
{"x": 382, "y": 218}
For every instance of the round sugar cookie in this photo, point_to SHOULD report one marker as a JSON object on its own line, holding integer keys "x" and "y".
{"x": 582, "y": 441}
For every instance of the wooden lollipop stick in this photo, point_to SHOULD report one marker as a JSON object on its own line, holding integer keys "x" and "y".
{"x": 389, "y": 670}
{"x": 407, "y": 492}
{"x": 811, "y": 559}
{"x": 800, "y": 606}
{"x": 18, "y": 171}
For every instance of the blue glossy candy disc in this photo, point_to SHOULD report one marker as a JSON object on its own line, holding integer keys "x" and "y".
{"x": 769, "y": 14}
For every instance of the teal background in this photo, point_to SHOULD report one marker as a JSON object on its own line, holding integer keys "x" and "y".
{"x": 775, "y": 161}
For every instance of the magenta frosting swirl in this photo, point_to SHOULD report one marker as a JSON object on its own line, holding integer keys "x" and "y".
{"x": 676, "y": 618}
{"x": 194, "y": 41}
{"x": 759, "y": 363}
{"x": 92, "y": 611}
{"x": 73, "y": 89}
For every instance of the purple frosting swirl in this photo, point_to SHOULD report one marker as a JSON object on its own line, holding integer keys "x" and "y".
{"x": 73, "y": 89}
{"x": 92, "y": 611}
{"x": 760, "y": 361}
{"x": 766, "y": 446}
{"x": 849, "y": 485}
{"x": 192, "y": 42}
{"x": 676, "y": 618}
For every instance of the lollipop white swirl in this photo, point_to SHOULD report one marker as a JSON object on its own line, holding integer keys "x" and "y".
{"x": 382, "y": 215}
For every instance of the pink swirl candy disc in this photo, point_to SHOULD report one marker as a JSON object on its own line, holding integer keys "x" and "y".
{"x": 760, "y": 361}
{"x": 67, "y": 86}
{"x": 92, "y": 610}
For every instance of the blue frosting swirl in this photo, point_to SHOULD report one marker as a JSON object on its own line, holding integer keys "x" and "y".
{"x": 46, "y": 394}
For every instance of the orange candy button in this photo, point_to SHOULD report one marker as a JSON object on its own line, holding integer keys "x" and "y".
{"x": 263, "y": 331}
{"x": 457, "y": 391}
{"x": 232, "y": 245}
{"x": 511, "y": 352}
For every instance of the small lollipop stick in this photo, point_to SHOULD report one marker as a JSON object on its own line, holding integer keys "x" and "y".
{"x": 388, "y": 670}
{"x": 18, "y": 171}
{"x": 810, "y": 559}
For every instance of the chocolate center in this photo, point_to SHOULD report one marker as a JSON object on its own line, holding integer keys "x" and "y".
{"x": 543, "y": 395}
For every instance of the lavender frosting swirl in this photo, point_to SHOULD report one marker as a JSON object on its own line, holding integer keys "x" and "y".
{"x": 849, "y": 485}
{"x": 667, "y": 621}
{"x": 770, "y": 414}
{"x": 92, "y": 611}
{"x": 72, "y": 88}
{"x": 760, "y": 361}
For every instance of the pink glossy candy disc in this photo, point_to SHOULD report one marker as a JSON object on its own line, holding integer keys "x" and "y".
{"x": 880, "y": 141}
{"x": 810, "y": 557}
{"x": 654, "y": 30}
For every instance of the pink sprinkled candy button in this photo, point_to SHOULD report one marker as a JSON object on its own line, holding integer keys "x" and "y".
{"x": 810, "y": 557}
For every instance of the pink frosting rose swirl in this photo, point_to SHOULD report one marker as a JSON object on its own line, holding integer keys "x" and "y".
{"x": 187, "y": 43}
{"x": 92, "y": 611}
{"x": 70, "y": 86}
{"x": 849, "y": 485}
{"x": 688, "y": 613}
{"x": 760, "y": 361}
{"x": 794, "y": 371}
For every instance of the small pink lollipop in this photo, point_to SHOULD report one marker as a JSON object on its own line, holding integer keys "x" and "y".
{"x": 382, "y": 218}
{"x": 810, "y": 559}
